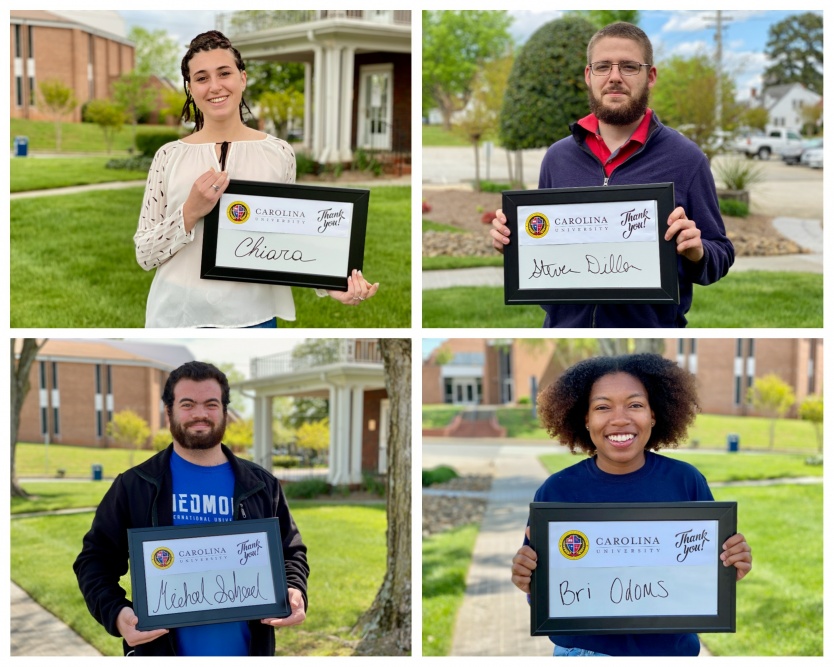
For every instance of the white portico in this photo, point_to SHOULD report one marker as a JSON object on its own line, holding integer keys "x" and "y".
{"x": 352, "y": 378}
{"x": 355, "y": 66}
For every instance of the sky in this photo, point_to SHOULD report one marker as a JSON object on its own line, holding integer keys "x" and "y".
{"x": 687, "y": 33}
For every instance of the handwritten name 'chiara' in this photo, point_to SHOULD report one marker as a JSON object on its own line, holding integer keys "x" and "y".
{"x": 252, "y": 248}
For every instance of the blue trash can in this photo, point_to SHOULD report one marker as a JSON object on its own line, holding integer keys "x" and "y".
{"x": 732, "y": 442}
{"x": 98, "y": 471}
{"x": 21, "y": 146}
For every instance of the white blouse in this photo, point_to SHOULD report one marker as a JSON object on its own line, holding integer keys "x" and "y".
{"x": 178, "y": 296}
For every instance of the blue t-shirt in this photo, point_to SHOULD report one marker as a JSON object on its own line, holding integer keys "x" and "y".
{"x": 661, "y": 479}
{"x": 204, "y": 494}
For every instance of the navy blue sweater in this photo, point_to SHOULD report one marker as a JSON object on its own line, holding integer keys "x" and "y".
{"x": 661, "y": 479}
{"x": 666, "y": 156}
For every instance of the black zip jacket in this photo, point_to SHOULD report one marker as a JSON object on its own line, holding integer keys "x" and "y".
{"x": 141, "y": 498}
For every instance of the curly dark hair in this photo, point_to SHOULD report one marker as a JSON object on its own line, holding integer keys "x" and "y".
{"x": 199, "y": 371}
{"x": 673, "y": 397}
{"x": 206, "y": 41}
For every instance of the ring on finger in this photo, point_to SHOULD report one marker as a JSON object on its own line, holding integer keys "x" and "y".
{"x": 216, "y": 188}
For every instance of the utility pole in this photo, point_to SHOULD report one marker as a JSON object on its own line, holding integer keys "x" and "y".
{"x": 719, "y": 24}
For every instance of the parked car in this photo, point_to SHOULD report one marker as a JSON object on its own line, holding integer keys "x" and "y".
{"x": 813, "y": 158}
{"x": 793, "y": 154}
{"x": 763, "y": 145}
{"x": 803, "y": 160}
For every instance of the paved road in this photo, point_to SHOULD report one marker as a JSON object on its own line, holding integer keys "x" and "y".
{"x": 790, "y": 191}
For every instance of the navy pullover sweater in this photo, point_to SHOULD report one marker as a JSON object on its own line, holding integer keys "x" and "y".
{"x": 666, "y": 156}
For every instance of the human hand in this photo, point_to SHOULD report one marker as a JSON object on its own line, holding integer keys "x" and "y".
{"x": 296, "y": 606}
{"x": 524, "y": 562}
{"x": 689, "y": 236}
{"x": 737, "y": 552}
{"x": 500, "y": 233}
{"x": 204, "y": 195}
{"x": 126, "y": 625}
{"x": 358, "y": 290}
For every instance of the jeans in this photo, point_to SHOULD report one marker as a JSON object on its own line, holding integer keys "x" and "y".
{"x": 574, "y": 652}
{"x": 269, "y": 324}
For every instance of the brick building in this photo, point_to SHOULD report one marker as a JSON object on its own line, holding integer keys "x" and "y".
{"x": 84, "y": 56}
{"x": 478, "y": 371}
{"x": 77, "y": 386}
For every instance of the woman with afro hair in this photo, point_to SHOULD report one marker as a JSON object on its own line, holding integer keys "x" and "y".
{"x": 620, "y": 410}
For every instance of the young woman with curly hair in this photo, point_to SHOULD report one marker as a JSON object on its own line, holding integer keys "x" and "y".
{"x": 185, "y": 182}
{"x": 619, "y": 410}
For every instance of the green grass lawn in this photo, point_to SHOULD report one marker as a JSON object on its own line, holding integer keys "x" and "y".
{"x": 345, "y": 574}
{"x": 435, "y": 135}
{"x": 38, "y": 460}
{"x": 446, "y": 558}
{"x": 444, "y": 262}
{"x": 62, "y": 172}
{"x": 749, "y": 299}
{"x": 716, "y": 467}
{"x": 429, "y": 226}
{"x": 791, "y": 435}
{"x": 75, "y": 137}
{"x": 73, "y": 264}
{"x": 50, "y": 496}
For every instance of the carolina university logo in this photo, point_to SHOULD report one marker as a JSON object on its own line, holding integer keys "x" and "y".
{"x": 238, "y": 212}
{"x": 162, "y": 558}
{"x": 537, "y": 225}
{"x": 573, "y": 545}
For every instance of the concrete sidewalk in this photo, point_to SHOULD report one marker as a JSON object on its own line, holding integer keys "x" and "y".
{"x": 494, "y": 618}
{"x": 34, "y": 631}
{"x": 806, "y": 233}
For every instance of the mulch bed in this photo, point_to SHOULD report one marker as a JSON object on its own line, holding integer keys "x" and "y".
{"x": 442, "y": 513}
{"x": 751, "y": 236}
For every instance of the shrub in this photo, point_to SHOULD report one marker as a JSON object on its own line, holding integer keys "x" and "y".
{"x": 374, "y": 484}
{"x": 135, "y": 163}
{"x": 734, "y": 208}
{"x": 438, "y": 475}
{"x": 524, "y": 400}
{"x": 366, "y": 161}
{"x": 304, "y": 164}
{"x": 306, "y": 488}
{"x": 738, "y": 174}
{"x": 490, "y": 186}
{"x": 149, "y": 143}
{"x": 284, "y": 461}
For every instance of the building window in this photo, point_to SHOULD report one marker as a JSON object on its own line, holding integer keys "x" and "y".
{"x": 56, "y": 401}
{"x": 109, "y": 404}
{"x": 18, "y": 51}
{"x": 448, "y": 392}
{"x": 31, "y": 45}
{"x": 99, "y": 404}
{"x": 42, "y": 374}
{"x": 44, "y": 421}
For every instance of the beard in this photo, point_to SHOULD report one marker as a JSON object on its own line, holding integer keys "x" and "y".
{"x": 624, "y": 114}
{"x": 200, "y": 441}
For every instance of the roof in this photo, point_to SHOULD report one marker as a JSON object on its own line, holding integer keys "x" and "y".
{"x": 165, "y": 357}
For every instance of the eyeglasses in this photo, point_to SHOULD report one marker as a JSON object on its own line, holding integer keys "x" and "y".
{"x": 627, "y": 67}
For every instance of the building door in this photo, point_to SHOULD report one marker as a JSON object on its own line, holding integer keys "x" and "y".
{"x": 383, "y": 436}
{"x": 375, "y": 106}
{"x": 466, "y": 391}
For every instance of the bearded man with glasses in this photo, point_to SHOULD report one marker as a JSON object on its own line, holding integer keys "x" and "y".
{"x": 622, "y": 142}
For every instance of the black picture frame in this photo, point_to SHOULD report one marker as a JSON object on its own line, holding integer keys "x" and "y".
{"x": 211, "y": 270}
{"x": 665, "y": 293}
{"x": 138, "y": 536}
{"x": 542, "y": 514}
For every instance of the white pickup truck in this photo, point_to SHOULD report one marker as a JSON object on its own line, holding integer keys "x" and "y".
{"x": 763, "y": 145}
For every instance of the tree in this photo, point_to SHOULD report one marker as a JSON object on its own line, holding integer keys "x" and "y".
{"x": 313, "y": 439}
{"x": 612, "y": 347}
{"x": 386, "y": 625}
{"x": 237, "y": 402}
{"x": 684, "y": 98}
{"x": 480, "y": 120}
{"x": 58, "y": 100}
{"x": 172, "y": 103}
{"x": 108, "y": 116}
{"x": 135, "y": 94}
{"x": 794, "y": 46}
{"x": 811, "y": 119}
{"x": 156, "y": 53}
{"x": 811, "y": 409}
{"x": 603, "y": 17}
{"x": 280, "y": 107}
{"x": 546, "y": 90}
{"x": 756, "y": 118}
{"x": 21, "y": 364}
{"x": 128, "y": 428}
{"x": 456, "y": 44}
{"x": 239, "y": 434}
{"x": 263, "y": 77}
{"x": 161, "y": 439}
{"x": 773, "y": 396}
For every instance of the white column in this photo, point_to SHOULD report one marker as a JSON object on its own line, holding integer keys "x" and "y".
{"x": 332, "y": 451}
{"x": 318, "y": 116}
{"x": 308, "y": 106}
{"x": 358, "y": 396}
{"x": 345, "y": 153}
{"x": 330, "y": 149}
{"x": 262, "y": 445}
{"x": 340, "y": 437}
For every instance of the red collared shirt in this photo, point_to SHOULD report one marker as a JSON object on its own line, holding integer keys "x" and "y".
{"x": 595, "y": 142}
